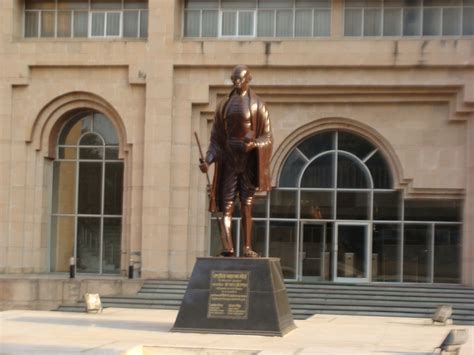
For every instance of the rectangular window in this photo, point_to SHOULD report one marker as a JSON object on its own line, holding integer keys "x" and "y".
{"x": 408, "y": 18}
{"x": 250, "y": 18}
{"x": 86, "y": 18}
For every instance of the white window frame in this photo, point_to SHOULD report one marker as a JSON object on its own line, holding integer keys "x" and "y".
{"x": 421, "y": 7}
{"x": 255, "y": 11}
{"x": 89, "y": 11}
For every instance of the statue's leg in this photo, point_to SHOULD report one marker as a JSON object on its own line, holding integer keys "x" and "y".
{"x": 229, "y": 190}
{"x": 247, "y": 230}
{"x": 246, "y": 193}
{"x": 226, "y": 230}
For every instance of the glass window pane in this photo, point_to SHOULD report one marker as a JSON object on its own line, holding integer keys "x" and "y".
{"x": 282, "y": 204}
{"x": 433, "y": 210}
{"x": 73, "y": 129}
{"x": 316, "y": 251}
{"x": 229, "y": 20}
{"x": 209, "y": 23}
{"x": 130, "y": 24}
{"x": 386, "y": 252}
{"x": 62, "y": 242}
{"x": 245, "y": 23}
{"x": 259, "y": 237}
{"x": 48, "y": 19}
{"x": 113, "y": 188}
{"x": 317, "y": 204}
{"x": 354, "y": 144}
{"x": 431, "y": 22}
{"x": 201, "y": 4}
{"x": 350, "y": 174}
{"x": 106, "y": 4}
{"x": 67, "y": 153}
{"x": 98, "y": 24}
{"x": 353, "y": 22}
{"x": 284, "y": 23}
{"x": 416, "y": 253}
{"x": 320, "y": 173}
{"x": 64, "y": 23}
{"x": 322, "y": 23}
{"x": 81, "y": 23}
{"x": 111, "y": 153}
{"x": 392, "y": 22}
{"x": 41, "y": 4}
{"x": 90, "y": 188}
{"x": 91, "y": 153}
{"x": 238, "y": 4}
{"x": 143, "y": 24}
{"x": 380, "y": 172}
{"x": 351, "y": 251}
{"x": 64, "y": 187}
{"x": 447, "y": 254}
{"x": 292, "y": 169}
{"x": 283, "y": 246}
{"x": 451, "y": 22}
{"x": 468, "y": 21}
{"x": 31, "y": 23}
{"x": 266, "y": 23}
{"x": 411, "y": 22}
{"x": 313, "y": 3}
{"x": 387, "y": 206}
{"x": 304, "y": 23}
{"x": 73, "y": 4}
{"x": 259, "y": 209}
{"x": 316, "y": 144}
{"x": 113, "y": 24}
{"x": 372, "y": 22}
{"x": 275, "y": 4}
{"x": 352, "y": 205}
{"x": 135, "y": 4}
{"x": 91, "y": 139}
{"x": 192, "y": 23}
{"x": 106, "y": 129}
{"x": 112, "y": 245}
{"x": 88, "y": 245}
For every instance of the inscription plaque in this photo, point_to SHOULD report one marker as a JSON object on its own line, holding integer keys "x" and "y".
{"x": 228, "y": 295}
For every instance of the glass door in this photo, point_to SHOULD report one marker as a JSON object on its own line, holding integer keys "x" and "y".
{"x": 351, "y": 261}
{"x": 314, "y": 254}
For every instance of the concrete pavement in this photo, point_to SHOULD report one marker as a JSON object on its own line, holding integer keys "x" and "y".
{"x": 138, "y": 332}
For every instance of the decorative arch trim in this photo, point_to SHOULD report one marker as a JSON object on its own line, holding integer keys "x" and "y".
{"x": 44, "y": 131}
{"x": 344, "y": 124}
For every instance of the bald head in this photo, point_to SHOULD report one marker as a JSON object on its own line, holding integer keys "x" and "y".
{"x": 241, "y": 78}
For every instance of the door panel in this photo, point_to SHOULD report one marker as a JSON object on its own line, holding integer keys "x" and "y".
{"x": 352, "y": 251}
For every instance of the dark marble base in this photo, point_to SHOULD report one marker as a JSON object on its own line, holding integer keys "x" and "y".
{"x": 236, "y": 296}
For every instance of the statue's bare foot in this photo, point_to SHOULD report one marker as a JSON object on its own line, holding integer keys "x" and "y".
{"x": 225, "y": 252}
{"x": 249, "y": 253}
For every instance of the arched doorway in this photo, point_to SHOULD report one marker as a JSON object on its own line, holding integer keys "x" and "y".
{"x": 86, "y": 219}
{"x": 335, "y": 215}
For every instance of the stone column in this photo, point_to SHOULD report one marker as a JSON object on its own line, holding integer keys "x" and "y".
{"x": 468, "y": 226}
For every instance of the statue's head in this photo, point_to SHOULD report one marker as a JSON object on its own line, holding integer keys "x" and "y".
{"x": 241, "y": 78}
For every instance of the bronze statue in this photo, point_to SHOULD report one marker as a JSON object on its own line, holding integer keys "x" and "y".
{"x": 241, "y": 148}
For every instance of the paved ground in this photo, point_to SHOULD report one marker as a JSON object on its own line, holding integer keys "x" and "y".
{"x": 145, "y": 332}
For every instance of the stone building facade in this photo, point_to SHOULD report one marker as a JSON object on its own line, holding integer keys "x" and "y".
{"x": 98, "y": 159}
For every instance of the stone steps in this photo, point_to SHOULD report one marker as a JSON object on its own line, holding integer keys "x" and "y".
{"x": 387, "y": 300}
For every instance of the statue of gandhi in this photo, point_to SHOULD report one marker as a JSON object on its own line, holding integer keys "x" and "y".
{"x": 240, "y": 148}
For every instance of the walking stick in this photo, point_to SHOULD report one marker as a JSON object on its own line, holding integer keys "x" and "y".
{"x": 222, "y": 230}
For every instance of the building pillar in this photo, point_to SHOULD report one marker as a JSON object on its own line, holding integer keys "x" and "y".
{"x": 467, "y": 254}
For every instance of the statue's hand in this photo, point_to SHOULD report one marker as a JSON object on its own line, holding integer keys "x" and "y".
{"x": 204, "y": 166}
{"x": 249, "y": 145}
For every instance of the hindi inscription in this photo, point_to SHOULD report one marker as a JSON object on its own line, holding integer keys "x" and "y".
{"x": 228, "y": 295}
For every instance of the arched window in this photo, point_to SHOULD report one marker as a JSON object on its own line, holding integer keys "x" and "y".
{"x": 86, "y": 220}
{"x": 337, "y": 216}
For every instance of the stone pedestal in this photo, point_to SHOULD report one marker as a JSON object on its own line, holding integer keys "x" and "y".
{"x": 236, "y": 296}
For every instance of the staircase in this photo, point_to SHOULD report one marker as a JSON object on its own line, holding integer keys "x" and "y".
{"x": 405, "y": 300}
